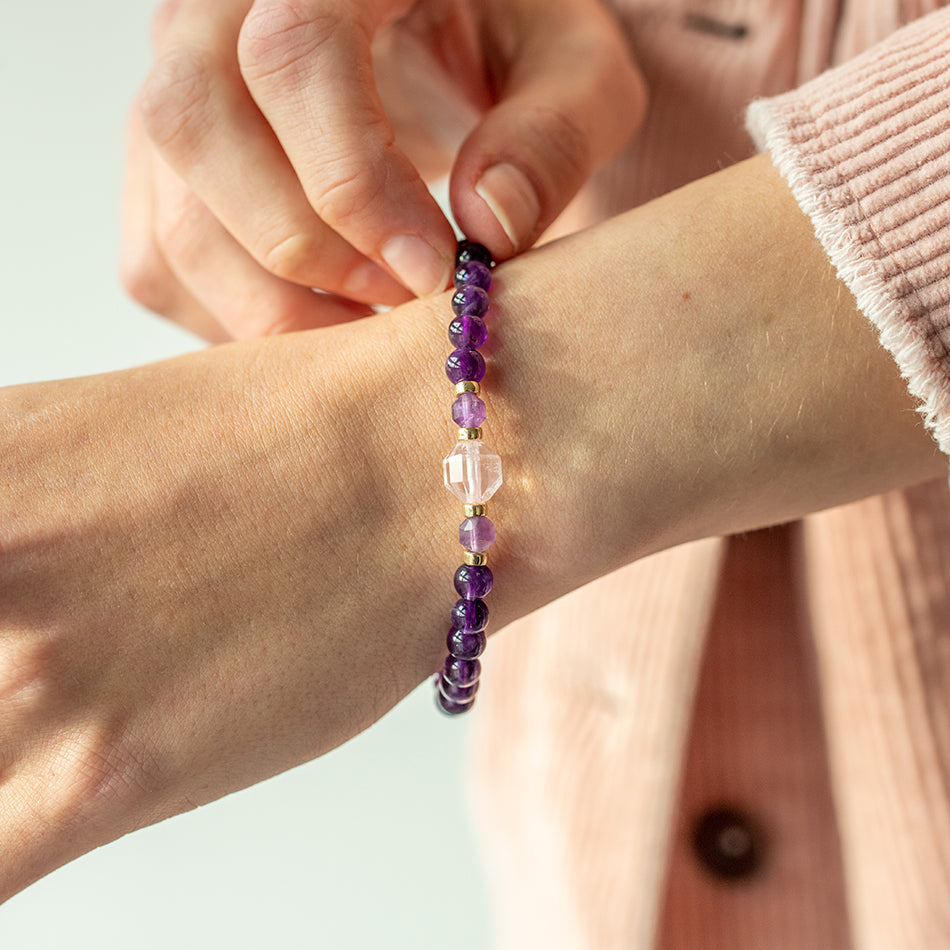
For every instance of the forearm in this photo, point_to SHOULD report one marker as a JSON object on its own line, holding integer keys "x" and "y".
{"x": 690, "y": 368}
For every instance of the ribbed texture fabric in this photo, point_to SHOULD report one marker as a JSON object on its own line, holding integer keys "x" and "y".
{"x": 879, "y": 595}
{"x": 866, "y": 151}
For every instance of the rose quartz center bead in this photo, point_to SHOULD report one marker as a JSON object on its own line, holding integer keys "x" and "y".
{"x": 472, "y": 472}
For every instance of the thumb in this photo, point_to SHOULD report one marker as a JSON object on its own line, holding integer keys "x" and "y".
{"x": 572, "y": 99}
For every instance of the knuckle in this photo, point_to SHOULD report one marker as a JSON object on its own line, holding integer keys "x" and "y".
{"x": 175, "y": 101}
{"x": 144, "y": 278}
{"x": 278, "y": 35}
{"x": 558, "y": 136}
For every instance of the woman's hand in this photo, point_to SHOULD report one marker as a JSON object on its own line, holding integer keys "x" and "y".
{"x": 280, "y": 145}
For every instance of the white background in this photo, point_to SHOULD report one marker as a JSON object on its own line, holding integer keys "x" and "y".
{"x": 368, "y": 847}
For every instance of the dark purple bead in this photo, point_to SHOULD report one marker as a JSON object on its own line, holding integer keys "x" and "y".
{"x": 466, "y": 646}
{"x": 462, "y": 672}
{"x": 470, "y": 615}
{"x": 468, "y": 331}
{"x": 468, "y": 411}
{"x": 472, "y": 251}
{"x": 450, "y": 708}
{"x": 470, "y": 299}
{"x": 473, "y": 272}
{"x": 473, "y": 582}
{"x": 456, "y": 692}
{"x": 465, "y": 364}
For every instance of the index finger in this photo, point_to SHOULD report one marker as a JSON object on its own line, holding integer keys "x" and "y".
{"x": 308, "y": 65}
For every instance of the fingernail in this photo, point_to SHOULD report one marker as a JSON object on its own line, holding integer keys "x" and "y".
{"x": 512, "y": 200}
{"x": 417, "y": 264}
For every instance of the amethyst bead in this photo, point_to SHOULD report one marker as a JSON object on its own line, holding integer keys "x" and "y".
{"x": 472, "y": 251}
{"x": 462, "y": 672}
{"x": 470, "y": 299}
{"x": 466, "y": 646}
{"x": 473, "y": 272}
{"x": 473, "y": 582}
{"x": 450, "y": 708}
{"x": 465, "y": 364}
{"x": 470, "y": 615}
{"x": 456, "y": 693}
{"x": 468, "y": 331}
{"x": 468, "y": 411}
{"x": 477, "y": 534}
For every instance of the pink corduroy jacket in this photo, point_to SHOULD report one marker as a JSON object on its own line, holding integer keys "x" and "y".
{"x": 745, "y": 743}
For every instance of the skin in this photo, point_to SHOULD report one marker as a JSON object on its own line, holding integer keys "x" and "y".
{"x": 220, "y": 566}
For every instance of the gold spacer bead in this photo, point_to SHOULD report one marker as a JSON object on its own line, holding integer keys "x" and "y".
{"x": 475, "y": 560}
{"x": 474, "y": 511}
{"x": 468, "y": 435}
{"x": 467, "y": 386}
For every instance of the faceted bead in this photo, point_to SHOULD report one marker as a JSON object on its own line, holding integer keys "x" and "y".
{"x": 470, "y": 298}
{"x": 466, "y": 646}
{"x": 464, "y": 363}
{"x": 468, "y": 411}
{"x": 477, "y": 534}
{"x": 472, "y": 472}
{"x": 450, "y": 708}
{"x": 473, "y": 272}
{"x": 473, "y": 582}
{"x": 468, "y": 332}
{"x": 457, "y": 693}
{"x": 472, "y": 251}
{"x": 470, "y": 615}
{"x": 462, "y": 672}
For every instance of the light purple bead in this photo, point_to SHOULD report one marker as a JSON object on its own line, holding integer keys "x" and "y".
{"x": 477, "y": 534}
{"x": 468, "y": 331}
{"x": 449, "y": 707}
{"x": 473, "y": 272}
{"x": 473, "y": 582}
{"x": 465, "y": 364}
{"x": 470, "y": 299}
{"x": 468, "y": 411}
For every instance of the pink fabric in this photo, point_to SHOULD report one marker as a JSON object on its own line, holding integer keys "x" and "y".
{"x": 802, "y": 674}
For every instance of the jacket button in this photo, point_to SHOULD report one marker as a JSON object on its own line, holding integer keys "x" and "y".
{"x": 728, "y": 844}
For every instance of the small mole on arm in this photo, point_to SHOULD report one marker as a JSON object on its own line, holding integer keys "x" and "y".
{"x": 687, "y": 295}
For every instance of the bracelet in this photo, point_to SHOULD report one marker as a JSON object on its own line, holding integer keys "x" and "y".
{"x": 472, "y": 472}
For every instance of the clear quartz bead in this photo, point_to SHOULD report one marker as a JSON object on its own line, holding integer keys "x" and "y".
{"x": 472, "y": 472}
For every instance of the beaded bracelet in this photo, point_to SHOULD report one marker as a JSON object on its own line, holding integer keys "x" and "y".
{"x": 472, "y": 472}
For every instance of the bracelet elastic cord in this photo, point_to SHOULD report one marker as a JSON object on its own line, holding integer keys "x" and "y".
{"x": 472, "y": 472}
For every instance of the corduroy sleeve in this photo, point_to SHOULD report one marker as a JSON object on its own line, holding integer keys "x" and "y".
{"x": 865, "y": 148}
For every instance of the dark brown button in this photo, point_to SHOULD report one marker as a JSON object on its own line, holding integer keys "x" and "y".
{"x": 729, "y": 844}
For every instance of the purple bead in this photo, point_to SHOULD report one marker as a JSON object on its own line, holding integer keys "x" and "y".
{"x": 457, "y": 693}
{"x": 466, "y": 646}
{"x": 465, "y": 364}
{"x": 470, "y": 299}
{"x": 468, "y": 331}
{"x": 472, "y": 272}
{"x": 468, "y": 411}
{"x": 450, "y": 708}
{"x": 472, "y": 251}
{"x": 473, "y": 582}
{"x": 470, "y": 615}
{"x": 477, "y": 534}
{"x": 462, "y": 672}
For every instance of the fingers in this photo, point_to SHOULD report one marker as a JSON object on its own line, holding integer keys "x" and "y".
{"x": 570, "y": 101}
{"x": 201, "y": 117}
{"x": 308, "y": 66}
{"x": 144, "y": 271}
